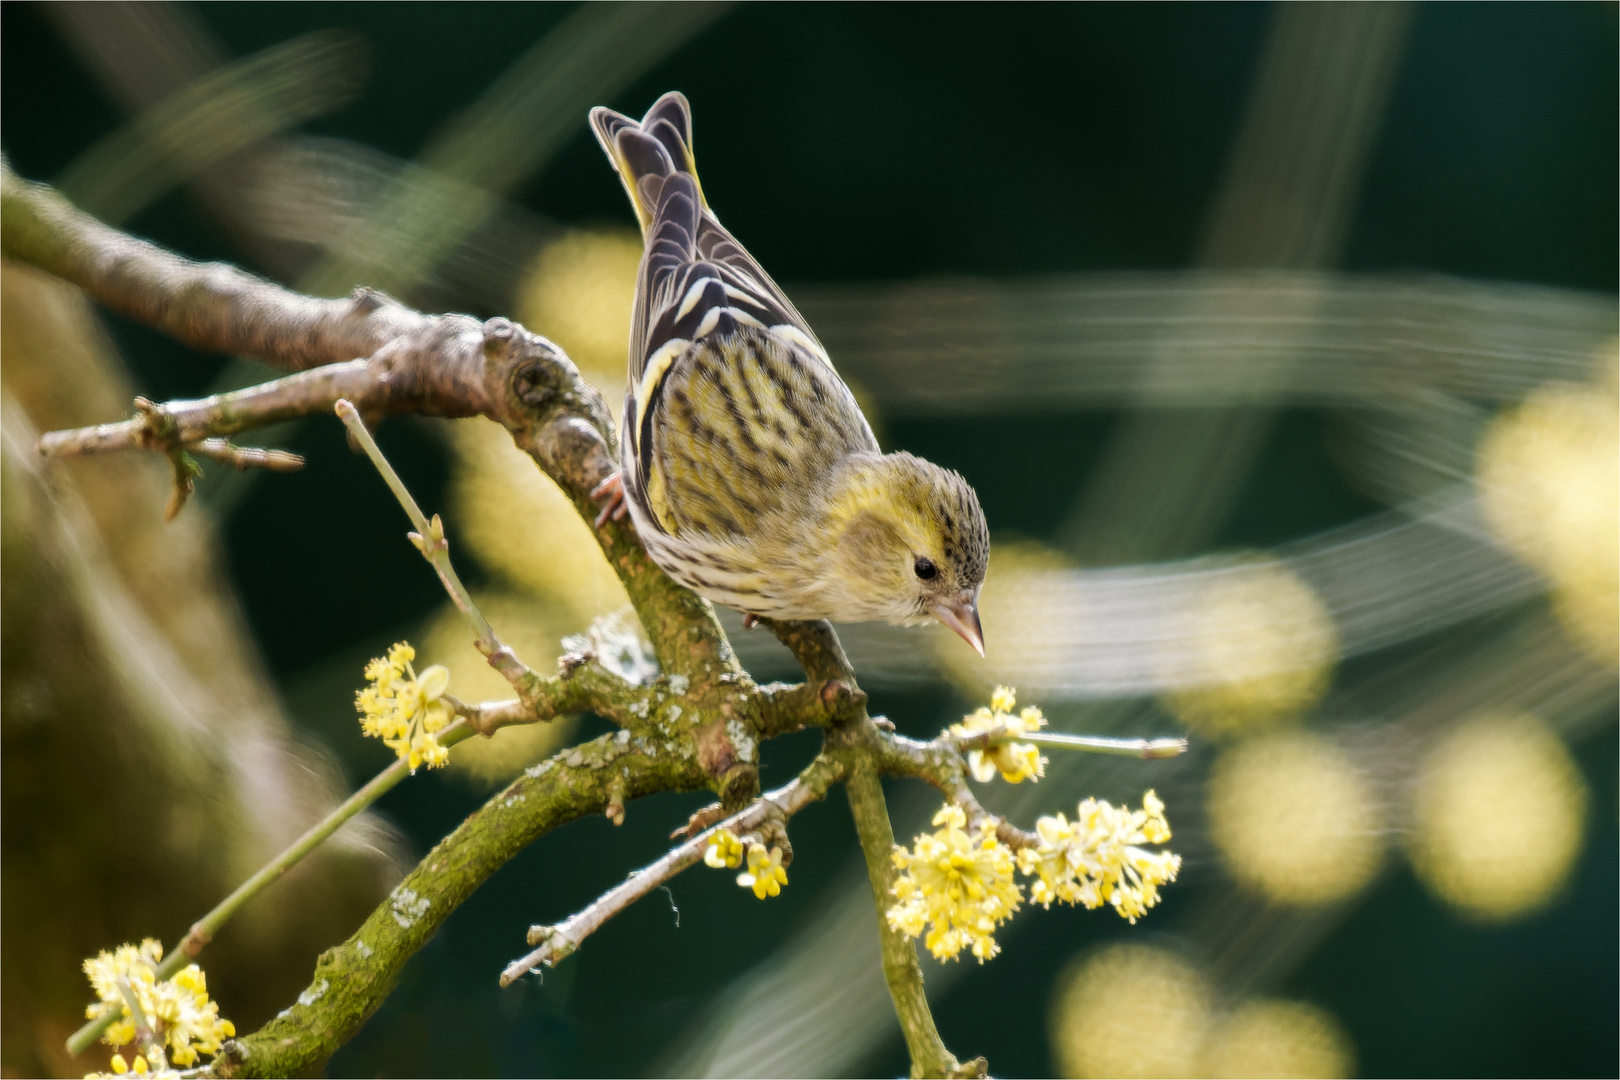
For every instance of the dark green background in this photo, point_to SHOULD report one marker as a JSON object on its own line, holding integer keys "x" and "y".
{"x": 855, "y": 142}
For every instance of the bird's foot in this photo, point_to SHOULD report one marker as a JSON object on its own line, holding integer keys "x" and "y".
{"x": 610, "y": 493}
{"x": 750, "y": 620}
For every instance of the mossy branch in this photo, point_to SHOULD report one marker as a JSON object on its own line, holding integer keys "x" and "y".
{"x": 353, "y": 978}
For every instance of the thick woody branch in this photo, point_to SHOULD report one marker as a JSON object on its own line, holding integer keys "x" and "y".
{"x": 352, "y": 979}
{"x": 370, "y": 349}
{"x": 209, "y": 306}
{"x": 565, "y": 938}
{"x": 785, "y": 709}
{"x": 817, "y": 649}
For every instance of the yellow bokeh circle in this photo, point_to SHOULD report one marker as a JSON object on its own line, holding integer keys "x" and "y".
{"x": 1498, "y": 815}
{"x": 520, "y": 525}
{"x": 579, "y": 292}
{"x": 1548, "y": 474}
{"x": 534, "y": 631}
{"x": 1272, "y": 1038}
{"x": 1255, "y": 646}
{"x": 1016, "y": 614}
{"x": 1294, "y": 818}
{"x": 1127, "y": 1011}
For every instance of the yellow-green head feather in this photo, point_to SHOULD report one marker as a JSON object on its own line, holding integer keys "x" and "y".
{"x": 908, "y": 539}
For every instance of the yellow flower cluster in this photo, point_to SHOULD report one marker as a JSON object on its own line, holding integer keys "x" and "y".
{"x": 765, "y": 874}
{"x": 120, "y": 1067}
{"x": 725, "y": 850}
{"x": 1014, "y": 760}
{"x": 1095, "y": 859}
{"x": 406, "y": 710}
{"x": 178, "y": 1008}
{"x": 959, "y": 886}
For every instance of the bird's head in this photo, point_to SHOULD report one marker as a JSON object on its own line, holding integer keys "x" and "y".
{"x": 911, "y": 543}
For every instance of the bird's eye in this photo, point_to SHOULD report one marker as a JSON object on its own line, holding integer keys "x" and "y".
{"x": 925, "y": 568}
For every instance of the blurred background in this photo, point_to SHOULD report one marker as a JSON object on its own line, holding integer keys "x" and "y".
{"x": 1279, "y": 342}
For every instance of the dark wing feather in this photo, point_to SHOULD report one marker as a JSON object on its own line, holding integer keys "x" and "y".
{"x": 697, "y": 283}
{"x": 654, "y": 159}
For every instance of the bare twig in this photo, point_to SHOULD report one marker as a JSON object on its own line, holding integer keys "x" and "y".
{"x": 1146, "y": 749}
{"x": 181, "y": 424}
{"x": 430, "y": 540}
{"x": 247, "y": 457}
{"x": 563, "y": 939}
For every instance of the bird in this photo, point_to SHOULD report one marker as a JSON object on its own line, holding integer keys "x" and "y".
{"x": 745, "y": 463}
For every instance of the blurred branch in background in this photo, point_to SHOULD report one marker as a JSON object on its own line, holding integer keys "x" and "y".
{"x": 504, "y": 138}
{"x": 1166, "y": 482}
{"x": 147, "y": 767}
{"x": 229, "y": 110}
{"x": 1227, "y": 338}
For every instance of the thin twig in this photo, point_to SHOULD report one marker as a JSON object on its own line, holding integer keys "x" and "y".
{"x": 430, "y": 540}
{"x": 247, "y": 457}
{"x": 178, "y": 424}
{"x": 203, "y": 930}
{"x": 563, "y": 939}
{"x": 146, "y": 1036}
{"x": 1146, "y": 749}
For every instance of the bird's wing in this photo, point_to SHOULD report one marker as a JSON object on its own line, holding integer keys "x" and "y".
{"x": 697, "y": 284}
{"x": 696, "y": 279}
{"x": 743, "y": 429}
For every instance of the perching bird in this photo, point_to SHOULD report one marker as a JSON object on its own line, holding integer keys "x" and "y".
{"x": 749, "y": 471}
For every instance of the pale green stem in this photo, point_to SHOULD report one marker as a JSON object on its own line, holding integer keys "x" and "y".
{"x": 1148, "y": 749}
{"x": 429, "y": 537}
{"x": 204, "y": 929}
{"x": 929, "y": 1057}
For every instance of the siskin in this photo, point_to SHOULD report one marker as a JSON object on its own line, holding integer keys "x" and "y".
{"x": 747, "y": 467}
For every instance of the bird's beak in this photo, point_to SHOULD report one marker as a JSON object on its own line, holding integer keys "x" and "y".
{"x": 962, "y": 615}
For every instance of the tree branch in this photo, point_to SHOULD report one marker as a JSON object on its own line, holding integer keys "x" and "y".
{"x": 817, "y": 649}
{"x": 565, "y": 938}
{"x": 352, "y": 979}
{"x": 209, "y": 306}
{"x": 900, "y": 968}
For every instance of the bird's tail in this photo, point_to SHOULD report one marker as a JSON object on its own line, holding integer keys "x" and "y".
{"x": 646, "y": 153}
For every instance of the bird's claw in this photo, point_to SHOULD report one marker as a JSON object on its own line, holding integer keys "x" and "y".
{"x": 610, "y": 493}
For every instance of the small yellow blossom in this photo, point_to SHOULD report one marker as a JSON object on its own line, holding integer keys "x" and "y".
{"x": 405, "y": 710}
{"x": 1014, "y": 760}
{"x": 178, "y": 1008}
{"x": 1095, "y": 859}
{"x": 959, "y": 886}
{"x": 725, "y": 850}
{"x": 765, "y": 873}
